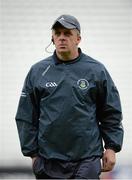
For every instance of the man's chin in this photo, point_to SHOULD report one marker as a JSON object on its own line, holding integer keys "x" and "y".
{"x": 63, "y": 51}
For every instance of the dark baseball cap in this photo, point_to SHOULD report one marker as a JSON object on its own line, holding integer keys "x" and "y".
{"x": 67, "y": 21}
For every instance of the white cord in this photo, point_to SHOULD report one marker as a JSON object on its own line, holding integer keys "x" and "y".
{"x": 46, "y": 48}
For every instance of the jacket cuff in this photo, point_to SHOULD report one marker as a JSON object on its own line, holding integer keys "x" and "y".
{"x": 31, "y": 153}
{"x": 115, "y": 148}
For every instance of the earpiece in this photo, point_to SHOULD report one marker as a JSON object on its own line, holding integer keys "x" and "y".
{"x": 52, "y": 40}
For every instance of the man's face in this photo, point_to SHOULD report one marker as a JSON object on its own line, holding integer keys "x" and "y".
{"x": 65, "y": 40}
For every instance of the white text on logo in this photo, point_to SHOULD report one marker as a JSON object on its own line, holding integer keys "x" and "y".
{"x": 51, "y": 84}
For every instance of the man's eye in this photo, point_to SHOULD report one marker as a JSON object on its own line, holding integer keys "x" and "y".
{"x": 67, "y": 33}
{"x": 57, "y": 33}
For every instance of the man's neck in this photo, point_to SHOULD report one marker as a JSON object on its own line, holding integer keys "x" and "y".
{"x": 67, "y": 56}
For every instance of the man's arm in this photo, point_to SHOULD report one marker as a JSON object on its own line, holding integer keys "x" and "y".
{"x": 27, "y": 118}
{"x": 109, "y": 115}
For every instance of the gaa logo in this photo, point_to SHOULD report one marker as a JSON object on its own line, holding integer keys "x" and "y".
{"x": 51, "y": 84}
{"x": 83, "y": 83}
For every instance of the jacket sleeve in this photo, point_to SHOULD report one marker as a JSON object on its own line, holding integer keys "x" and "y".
{"x": 109, "y": 113}
{"x": 27, "y": 118}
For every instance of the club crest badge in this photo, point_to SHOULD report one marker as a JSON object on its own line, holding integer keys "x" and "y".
{"x": 82, "y": 83}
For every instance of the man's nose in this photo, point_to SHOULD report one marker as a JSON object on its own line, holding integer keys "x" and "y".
{"x": 62, "y": 37}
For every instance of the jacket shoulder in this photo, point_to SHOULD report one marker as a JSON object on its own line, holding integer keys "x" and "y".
{"x": 42, "y": 63}
{"x": 93, "y": 63}
{"x": 37, "y": 70}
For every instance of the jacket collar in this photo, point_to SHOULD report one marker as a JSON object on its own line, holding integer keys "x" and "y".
{"x": 58, "y": 61}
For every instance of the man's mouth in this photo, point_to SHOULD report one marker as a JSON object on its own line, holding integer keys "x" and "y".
{"x": 62, "y": 45}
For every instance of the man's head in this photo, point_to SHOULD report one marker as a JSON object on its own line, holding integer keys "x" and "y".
{"x": 66, "y": 35}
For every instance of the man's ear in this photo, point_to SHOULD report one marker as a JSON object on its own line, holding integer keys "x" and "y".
{"x": 78, "y": 39}
{"x": 52, "y": 40}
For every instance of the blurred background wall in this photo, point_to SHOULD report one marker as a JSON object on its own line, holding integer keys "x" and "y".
{"x": 26, "y": 31}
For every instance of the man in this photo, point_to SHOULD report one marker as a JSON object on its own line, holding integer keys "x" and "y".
{"x": 68, "y": 105}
